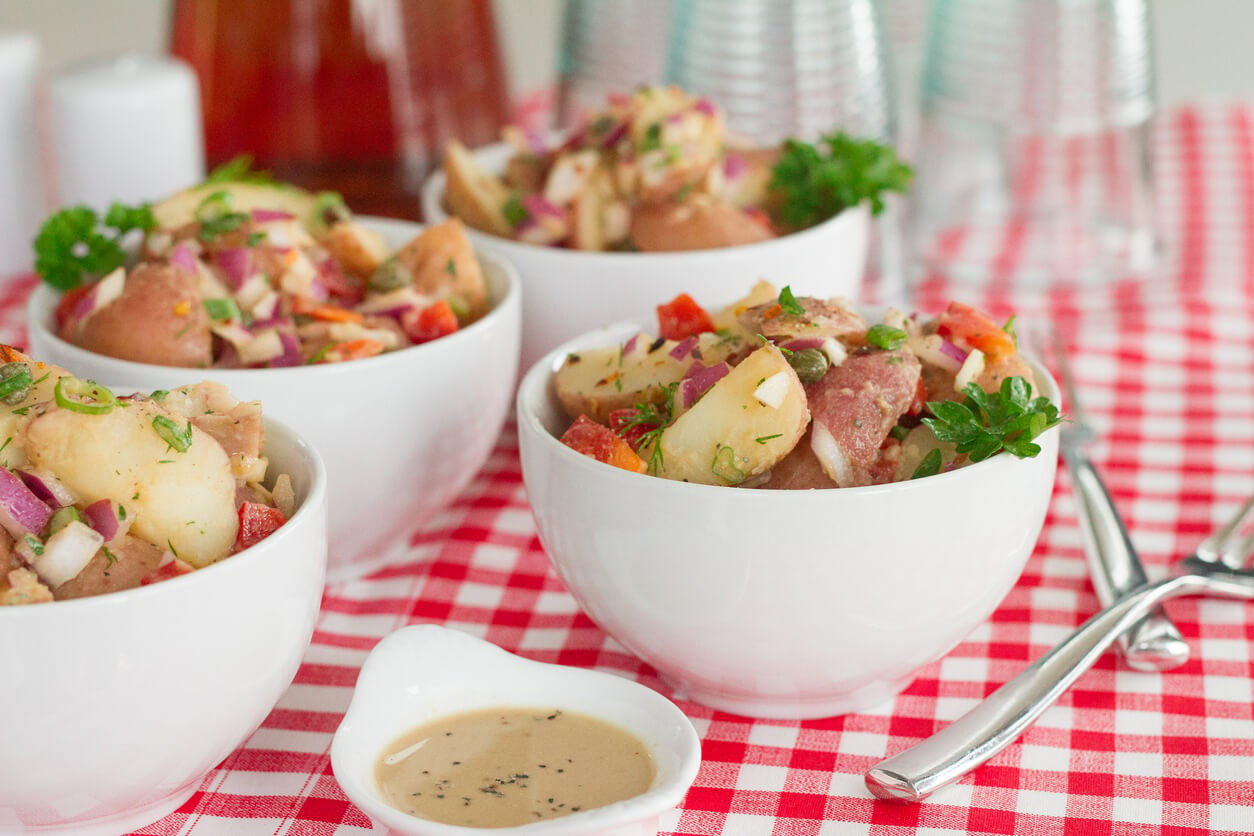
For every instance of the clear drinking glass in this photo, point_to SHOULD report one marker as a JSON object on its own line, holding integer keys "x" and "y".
{"x": 1034, "y": 162}
{"x": 796, "y": 68}
{"x": 610, "y": 46}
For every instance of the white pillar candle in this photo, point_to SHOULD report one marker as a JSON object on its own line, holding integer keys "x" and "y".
{"x": 21, "y": 185}
{"x": 126, "y": 129}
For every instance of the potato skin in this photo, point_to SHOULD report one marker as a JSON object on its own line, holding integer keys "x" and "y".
{"x": 133, "y": 560}
{"x": 700, "y": 223}
{"x": 443, "y": 262}
{"x": 160, "y": 318}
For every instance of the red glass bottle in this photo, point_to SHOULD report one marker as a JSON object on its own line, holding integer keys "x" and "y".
{"x": 358, "y": 96}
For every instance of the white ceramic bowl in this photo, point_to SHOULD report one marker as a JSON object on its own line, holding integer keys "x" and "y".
{"x": 789, "y": 604}
{"x": 116, "y": 706}
{"x": 401, "y": 433}
{"x": 565, "y": 291}
{"x": 421, "y": 673}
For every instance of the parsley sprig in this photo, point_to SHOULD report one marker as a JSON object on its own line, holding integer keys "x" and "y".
{"x": 76, "y": 245}
{"x": 987, "y": 423}
{"x": 817, "y": 182}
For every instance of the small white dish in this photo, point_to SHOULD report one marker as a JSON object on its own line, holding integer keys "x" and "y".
{"x": 424, "y": 672}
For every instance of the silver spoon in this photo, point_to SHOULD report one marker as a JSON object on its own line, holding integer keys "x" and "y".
{"x": 913, "y": 774}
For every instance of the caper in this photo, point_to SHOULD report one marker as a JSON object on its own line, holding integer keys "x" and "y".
{"x": 329, "y": 210}
{"x": 390, "y": 275}
{"x": 15, "y": 383}
{"x": 810, "y": 364}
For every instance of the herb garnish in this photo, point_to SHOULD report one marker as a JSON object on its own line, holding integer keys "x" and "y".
{"x": 657, "y": 417}
{"x": 819, "y": 182}
{"x": 238, "y": 169}
{"x": 216, "y": 217}
{"x": 984, "y": 423}
{"x": 110, "y": 557}
{"x": 76, "y": 245}
{"x": 765, "y": 438}
{"x": 652, "y": 138}
{"x": 930, "y": 465}
{"x": 789, "y": 302}
{"x": 886, "y": 337}
{"x": 1009, "y": 328}
{"x": 514, "y": 211}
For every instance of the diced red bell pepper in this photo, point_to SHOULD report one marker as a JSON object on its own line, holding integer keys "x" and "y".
{"x": 172, "y": 569}
{"x": 962, "y": 323}
{"x": 682, "y": 317}
{"x": 601, "y": 443}
{"x": 256, "y": 523}
{"x": 430, "y": 323}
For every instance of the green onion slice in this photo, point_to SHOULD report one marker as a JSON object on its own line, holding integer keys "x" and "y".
{"x": 84, "y": 396}
{"x": 724, "y": 466}
{"x": 178, "y": 439}
{"x": 223, "y": 309}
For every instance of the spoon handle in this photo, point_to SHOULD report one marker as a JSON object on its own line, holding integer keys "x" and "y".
{"x": 1154, "y": 643}
{"x": 993, "y": 724}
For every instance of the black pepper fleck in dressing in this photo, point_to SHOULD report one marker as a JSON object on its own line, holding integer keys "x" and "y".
{"x": 491, "y": 768}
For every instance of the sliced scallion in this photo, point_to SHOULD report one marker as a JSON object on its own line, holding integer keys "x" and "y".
{"x": 85, "y": 396}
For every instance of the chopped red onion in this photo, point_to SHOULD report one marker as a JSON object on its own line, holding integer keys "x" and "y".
{"x": 184, "y": 258}
{"x": 705, "y": 107}
{"x": 804, "y": 343}
{"x": 103, "y": 516}
{"x": 952, "y": 351}
{"x": 538, "y": 206}
{"x": 536, "y": 143}
{"x": 630, "y": 345}
{"x": 266, "y": 215}
{"x": 47, "y": 487}
{"x": 685, "y": 347}
{"x": 85, "y": 306}
{"x": 291, "y": 355}
{"x": 734, "y": 166}
{"x": 698, "y": 380}
{"x": 236, "y": 264}
{"x": 21, "y": 511}
{"x": 615, "y": 135}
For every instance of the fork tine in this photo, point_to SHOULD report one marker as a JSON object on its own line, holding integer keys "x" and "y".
{"x": 1218, "y": 547}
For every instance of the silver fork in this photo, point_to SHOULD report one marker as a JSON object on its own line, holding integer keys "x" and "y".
{"x": 1213, "y": 570}
{"x": 1154, "y": 644}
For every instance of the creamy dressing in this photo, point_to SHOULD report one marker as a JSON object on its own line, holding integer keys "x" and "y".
{"x": 502, "y": 767}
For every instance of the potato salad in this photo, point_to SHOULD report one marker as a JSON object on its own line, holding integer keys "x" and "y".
{"x": 252, "y": 275}
{"x": 102, "y": 492}
{"x": 784, "y": 391}
{"x": 656, "y": 170}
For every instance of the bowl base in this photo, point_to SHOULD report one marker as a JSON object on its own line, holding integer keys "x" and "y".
{"x": 122, "y": 822}
{"x": 785, "y": 708}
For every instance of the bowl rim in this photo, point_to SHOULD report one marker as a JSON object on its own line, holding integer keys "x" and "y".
{"x": 348, "y": 744}
{"x": 313, "y": 506}
{"x": 42, "y": 302}
{"x": 536, "y": 386}
{"x": 432, "y": 193}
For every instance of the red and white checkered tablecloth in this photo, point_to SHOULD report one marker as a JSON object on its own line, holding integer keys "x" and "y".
{"x": 1167, "y": 372}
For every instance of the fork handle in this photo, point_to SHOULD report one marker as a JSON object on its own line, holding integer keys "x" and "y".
{"x": 1153, "y": 644}
{"x": 993, "y": 724}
